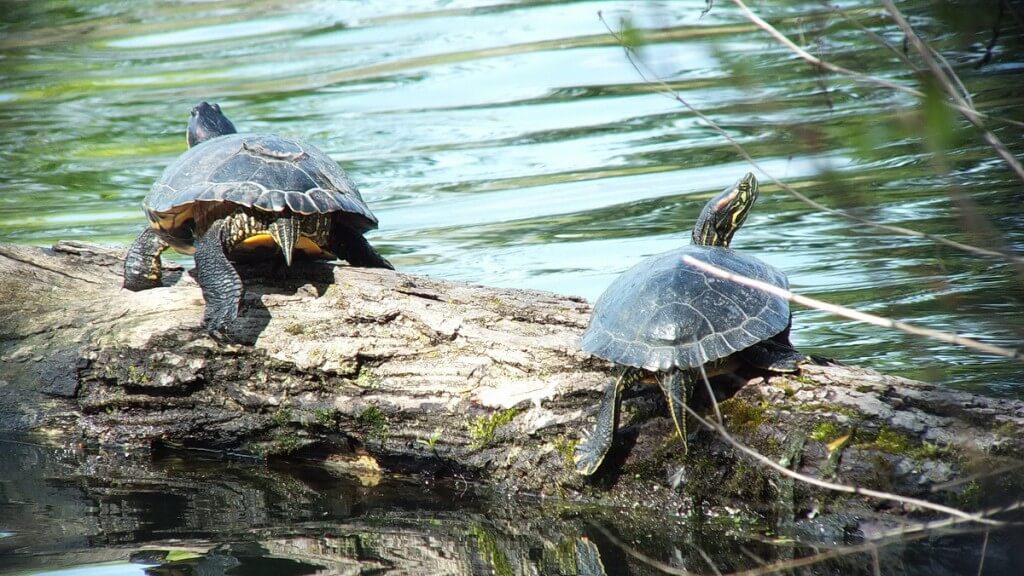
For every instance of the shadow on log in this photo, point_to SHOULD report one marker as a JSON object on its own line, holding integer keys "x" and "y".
{"x": 409, "y": 373}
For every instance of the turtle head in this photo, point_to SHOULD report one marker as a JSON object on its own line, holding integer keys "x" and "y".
{"x": 207, "y": 122}
{"x": 725, "y": 213}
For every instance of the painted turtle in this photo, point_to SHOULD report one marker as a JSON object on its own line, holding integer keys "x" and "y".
{"x": 666, "y": 317}
{"x": 235, "y": 196}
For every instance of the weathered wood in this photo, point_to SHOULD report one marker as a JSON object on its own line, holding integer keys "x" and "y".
{"x": 414, "y": 373}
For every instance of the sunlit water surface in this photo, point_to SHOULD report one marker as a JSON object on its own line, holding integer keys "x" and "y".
{"x": 513, "y": 144}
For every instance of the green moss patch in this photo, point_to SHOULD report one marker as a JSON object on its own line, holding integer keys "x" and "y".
{"x": 743, "y": 417}
{"x": 481, "y": 429}
{"x": 825, "y": 432}
{"x": 374, "y": 422}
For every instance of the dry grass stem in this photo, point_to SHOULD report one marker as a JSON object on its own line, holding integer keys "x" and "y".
{"x": 855, "y": 314}
{"x": 836, "y": 487}
{"x": 647, "y": 76}
{"x": 867, "y": 78}
{"x": 943, "y": 76}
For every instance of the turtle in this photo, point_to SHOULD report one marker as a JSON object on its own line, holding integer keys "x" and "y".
{"x": 233, "y": 197}
{"x": 666, "y": 317}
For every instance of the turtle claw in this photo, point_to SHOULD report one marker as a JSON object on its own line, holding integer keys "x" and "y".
{"x": 587, "y": 458}
{"x": 216, "y": 319}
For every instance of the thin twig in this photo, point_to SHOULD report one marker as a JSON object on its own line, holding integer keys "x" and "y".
{"x": 977, "y": 476}
{"x": 750, "y": 554}
{"x": 984, "y": 550}
{"x": 707, "y": 560}
{"x": 855, "y": 314}
{"x": 952, "y": 76}
{"x": 996, "y": 29}
{"x": 970, "y": 113}
{"x": 758, "y": 571}
{"x": 873, "y": 35}
{"x": 711, "y": 393}
{"x": 933, "y": 525}
{"x": 877, "y": 494}
{"x": 914, "y": 532}
{"x": 1013, "y": 12}
{"x": 903, "y": 57}
{"x": 867, "y": 78}
{"x": 668, "y": 92}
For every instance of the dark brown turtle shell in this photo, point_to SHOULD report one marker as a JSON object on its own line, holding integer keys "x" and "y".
{"x": 663, "y": 314}
{"x": 262, "y": 171}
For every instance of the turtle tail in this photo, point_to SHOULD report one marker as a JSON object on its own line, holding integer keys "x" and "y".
{"x": 285, "y": 231}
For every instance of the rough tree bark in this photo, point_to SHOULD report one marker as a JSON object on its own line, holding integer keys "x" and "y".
{"x": 378, "y": 368}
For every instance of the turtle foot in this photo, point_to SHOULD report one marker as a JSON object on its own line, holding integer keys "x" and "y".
{"x": 588, "y": 458}
{"x": 591, "y": 451}
{"x": 217, "y": 318}
{"x": 774, "y": 357}
{"x": 142, "y": 263}
{"x": 353, "y": 247}
{"x": 824, "y": 361}
{"x": 140, "y": 283}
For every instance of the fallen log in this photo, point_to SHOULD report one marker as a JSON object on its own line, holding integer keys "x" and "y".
{"x": 384, "y": 369}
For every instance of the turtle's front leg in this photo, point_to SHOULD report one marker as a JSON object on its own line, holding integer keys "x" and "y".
{"x": 591, "y": 451}
{"x": 222, "y": 288}
{"x": 676, "y": 386}
{"x": 142, "y": 263}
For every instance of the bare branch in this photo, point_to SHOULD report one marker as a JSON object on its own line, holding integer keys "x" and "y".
{"x": 668, "y": 92}
{"x": 872, "y": 34}
{"x": 924, "y": 527}
{"x": 976, "y": 476}
{"x": 984, "y": 550}
{"x": 772, "y": 568}
{"x": 867, "y": 78}
{"x": 855, "y": 314}
{"x": 961, "y": 104}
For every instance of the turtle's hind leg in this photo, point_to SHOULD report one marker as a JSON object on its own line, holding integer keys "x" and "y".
{"x": 774, "y": 356}
{"x": 349, "y": 245}
{"x": 591, "y": 451}
{"x": 222, "y": 288}
{"x": 142, "y": 263}
{"x": 676, "y": 386}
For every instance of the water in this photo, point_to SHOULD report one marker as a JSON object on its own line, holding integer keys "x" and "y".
{"x": 512, "y": 144}
{"x": 67, "y": 514}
